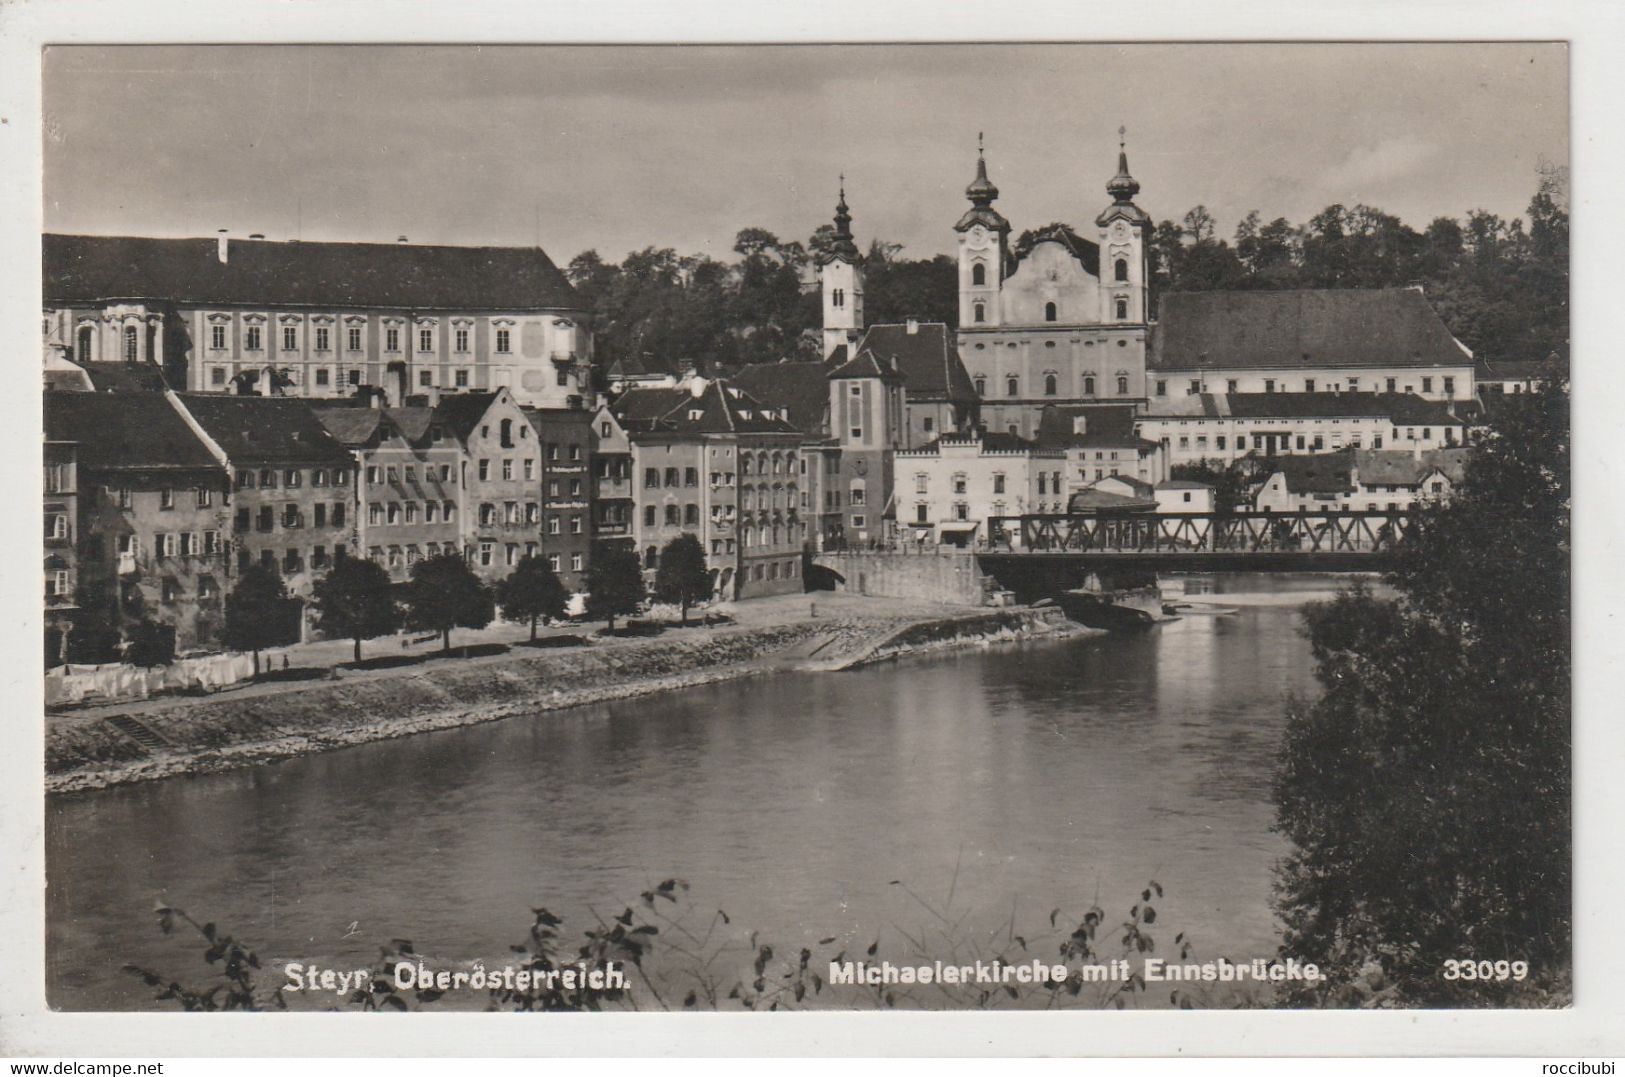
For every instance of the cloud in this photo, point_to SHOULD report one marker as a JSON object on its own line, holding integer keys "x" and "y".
{"x": 1377, "y": 166}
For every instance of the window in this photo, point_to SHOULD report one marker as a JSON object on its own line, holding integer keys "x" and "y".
{"x": 857, "y": 521}
{"x": 502, "y": 340}
{"x": 392, "y": 339}
{"x": 460, "y": 378}
{"x": 857, "y": 493}
{"x": 166, "y": 498}
{"x": 460, "y": 339}
{"x": 253, "y": 343}
{"x": 533, "y": 513}
{"x": 959, "y": 482}
{"x": 322, "y": 340}
{"x": 1427, "y": 385}
{"x": 205, "y": 497}
{"x": 978, "y": 274}
{"x": 673, "y": 516}
{"x": 575, "y": 562}
{"x": 507, "y": 468}
{"x": 671, "y": 476}
{"x": 838, "y": 297}
{"x": 1196, "y": 387}
{"x": 691, "y": 517}
{"x": 510, "y": 512}
{"x": 487, "y": 550}
{"x": 1309, "y": 385}
{"x": 1122, "y": 310}
{"x": 1122, "y": 385}
{"x": 353, "y": 338}
{"x": 1049, "y": 312}
{"x": 648, "y": 516}
{"x": 484, "y": 470}
{"x": 426, "y": 378}
{"x": 392, "y": 512}
{"x": 530, "y": 467}
{"x": 978, "y": 313}
{"x": 291, "y": 478}
{"x": 290, "y": 339}
{"x": 1269, "y": 385}
{"x": 981, "y": 386}
{"x": 1012, "y": 386}
{"x": 1050, "y": 384}
{"x": 425, "y": 340}
{"x": 354, "y": 378}
{"x": 488, "y": 514}
{"x": 651, "y": 478}
{"x": 1120, "y": 269}
{"x": 998, "y": 482}
{"x": 217, "y": 341}
{"x": 1450, "y": 387}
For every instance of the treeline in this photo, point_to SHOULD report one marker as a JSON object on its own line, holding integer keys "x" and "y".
{"x": 1501, "y": 286}
{"x": 764, "y": 307}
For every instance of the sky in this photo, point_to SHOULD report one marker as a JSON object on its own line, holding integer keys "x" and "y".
{"x": 619, "y": 148}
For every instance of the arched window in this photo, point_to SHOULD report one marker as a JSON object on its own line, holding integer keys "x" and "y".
{"x": 1122, "y": 269}
{"x": 1122, "y": 385}
{"x": 86, "y": 336}
{"x": 979, "y": 313}
{"x": 978, "y": 274}
{"x": 1012, "y": 386}
{"x": 132, "y": 346}
{"x": 981, "y": 386}
{"x": 1049, "y": 384}
{"x": 1049, "y": 312}
{"x": 1089, "y": 385}
{"x": 1122, "y": 308}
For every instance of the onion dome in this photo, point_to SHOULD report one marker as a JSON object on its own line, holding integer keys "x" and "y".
{"x": 842, "y": 249}
{"x": 981, "y": 193}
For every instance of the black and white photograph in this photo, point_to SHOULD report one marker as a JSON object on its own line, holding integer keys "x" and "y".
{"x": 848, "y": 527}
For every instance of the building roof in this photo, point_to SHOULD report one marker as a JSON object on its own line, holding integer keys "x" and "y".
{"x": 800, "y": 388}
{"x": 1140, "y": 487}
{"x": 274, "y": 428}
{"x": 126, "y": 377}
{"x": 1510, "y": 369}
{"x": 1183, "y": 484}
{"x": 717, "y": 407}
{"x": 1318, "y": 473}
{"x": 136, "y": 431}
{"x": 640, "y": 365}
{"x": 462, "y": 412}
{"x": 1105, "y": 426}
{"x": 264, "y": 273}
{"x": 1086, "y": 252}
{"x": 927, "y": 358}
{"x": 1309, "y": 329}
{"x": 866, "y": 364}
{"x": 1092, "y": 500}
{"x": 1399, "y": 467}
{"x": 1405, "y": 409}
{"x": 549, "y": 421}
{"x": 356, "y": 427}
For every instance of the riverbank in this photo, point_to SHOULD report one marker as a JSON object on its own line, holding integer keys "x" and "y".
{"x": 165, "y": 738}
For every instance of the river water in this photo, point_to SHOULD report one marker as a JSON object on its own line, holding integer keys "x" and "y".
{"x": 995, "y": 785}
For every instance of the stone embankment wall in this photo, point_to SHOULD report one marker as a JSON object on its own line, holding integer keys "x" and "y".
{"x": 932, "y": 576}
{"x": 1001, "y": 626}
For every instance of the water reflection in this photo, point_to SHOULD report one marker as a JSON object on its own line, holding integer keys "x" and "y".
{"x": 1048, "y": 773}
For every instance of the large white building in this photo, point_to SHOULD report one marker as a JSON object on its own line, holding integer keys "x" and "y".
{"x": 322, "y": 319}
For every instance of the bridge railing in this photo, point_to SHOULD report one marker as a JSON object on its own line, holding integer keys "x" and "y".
{"x": 1307, "y": 531}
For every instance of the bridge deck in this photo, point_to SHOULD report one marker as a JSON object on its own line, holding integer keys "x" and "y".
{"x": 1348, "y": 534}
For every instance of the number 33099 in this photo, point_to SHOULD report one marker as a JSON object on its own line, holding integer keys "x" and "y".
{"x": 1485, "y": 970}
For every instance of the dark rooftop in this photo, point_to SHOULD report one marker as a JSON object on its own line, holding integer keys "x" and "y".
{"x": 272, "y": 428}
{"x": 265, "y": 273}
{"x": 137, "y": 431}
{"x": 926, "y": 358}
{"x": 1347, "y": 327}
{"x": 801, "y": 388}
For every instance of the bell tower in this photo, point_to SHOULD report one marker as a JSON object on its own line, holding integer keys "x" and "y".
{"x": 840, "y": 274}
{"x": 1124, "y": 237}
{"x": 984, "y": 239}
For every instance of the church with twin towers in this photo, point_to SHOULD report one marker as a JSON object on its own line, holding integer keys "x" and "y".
{"x": 1064, "y": 321}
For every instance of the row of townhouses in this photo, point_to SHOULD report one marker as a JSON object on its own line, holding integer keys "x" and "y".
{"x": 216, "y": 403}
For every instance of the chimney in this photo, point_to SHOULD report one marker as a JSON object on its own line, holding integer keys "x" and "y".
{"x": 913, "y": 327}
{"x": 400, "y": 239}
{"x": 220, "y": 246}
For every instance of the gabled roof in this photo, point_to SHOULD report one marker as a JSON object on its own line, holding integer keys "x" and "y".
{"x": 1398, "y": 467}
{"x": 1092, "y": 500}
{"x": 1105, "y": 426}
{"x": 927, "y": 358}
{"x": 136, "y": 431}
{"x": 126, "y": 377}
{"x": 270, "y": 428}
{"x": 264, "y": 273}
{"x": 1140, "y": 487}
{"x": 801, "y": 388}
{"x": 462, "y": 412}
{"x": 1292, "y": 330}
{"x": 357, "y": 427}
{"x": 718, "y": 408}
{"x": 1318, "y": 473}
{"x": 1086, "y": 252}
{"x": 866, "y": 364}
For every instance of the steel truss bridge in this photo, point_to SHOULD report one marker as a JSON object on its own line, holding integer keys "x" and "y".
{"x": 1022, "y": 550}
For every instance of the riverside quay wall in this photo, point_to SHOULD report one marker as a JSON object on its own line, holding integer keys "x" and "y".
{"x": 934, "y": 575}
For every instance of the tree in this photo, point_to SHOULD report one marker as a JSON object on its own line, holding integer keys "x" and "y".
{"x": 444, "y": 594}
{"x": 151, "y": 643}
{"x": 95, "y": 635}
{"x": 614, "y": 583}
{"x": 260, "y": 613}
{"x": 1427, "y": 793}
{"x": 356, "y": 599}
{"x": 683, "y": 576}
{"x": 532, "y": 591}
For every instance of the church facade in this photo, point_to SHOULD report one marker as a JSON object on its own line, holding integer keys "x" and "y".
{"x": 1066, "y": 320}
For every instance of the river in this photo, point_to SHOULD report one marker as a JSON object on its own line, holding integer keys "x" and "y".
{"x": 995, "y": 785}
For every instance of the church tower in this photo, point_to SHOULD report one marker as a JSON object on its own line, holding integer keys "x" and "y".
{"x": 840, "y": 272}
{"x": 984, "y": 239}
{"x": 1125, "y": 241}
